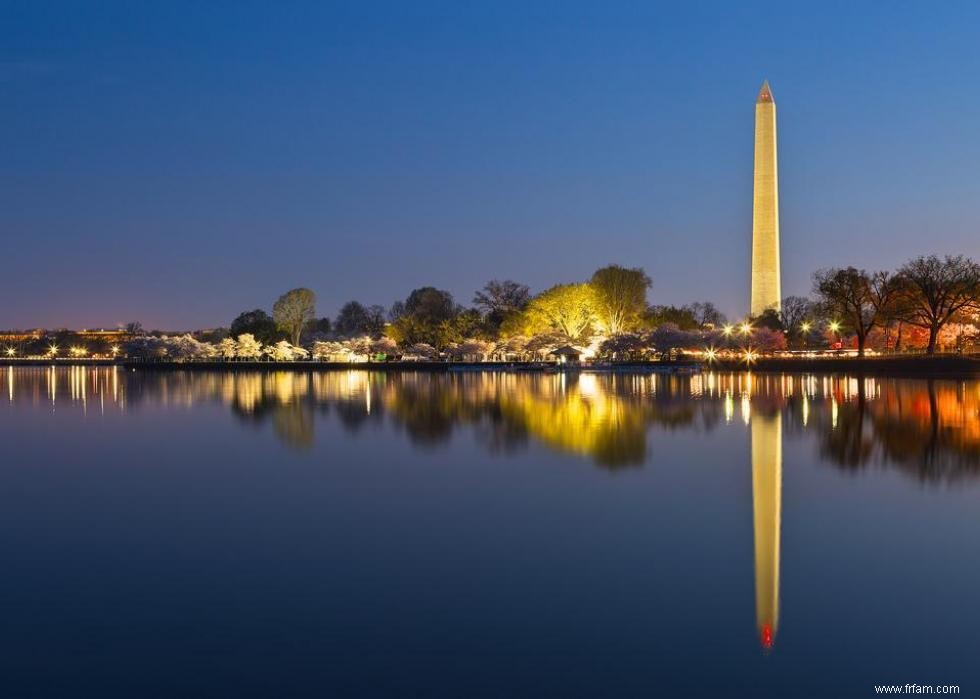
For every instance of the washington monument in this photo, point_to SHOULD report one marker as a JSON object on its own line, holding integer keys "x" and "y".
{"x": 765, "y": 208}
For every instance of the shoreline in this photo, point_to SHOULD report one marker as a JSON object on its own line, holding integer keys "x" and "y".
{"x": 909, "y": 366}
{"x": 912, "y": 366}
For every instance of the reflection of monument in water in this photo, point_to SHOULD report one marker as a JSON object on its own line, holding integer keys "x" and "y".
{"x": 767, "y": 474}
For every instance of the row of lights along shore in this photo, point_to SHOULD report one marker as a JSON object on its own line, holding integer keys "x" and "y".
{"x": 750, "y": 355}
{"x": 710, "y": 353}
{"x": 74, "y": 351}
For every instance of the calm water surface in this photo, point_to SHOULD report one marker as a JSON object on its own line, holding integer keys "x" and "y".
{"x": 482, "y": 534}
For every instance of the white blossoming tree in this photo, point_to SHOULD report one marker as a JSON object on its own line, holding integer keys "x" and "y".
{"x": 283, "y": 351}
{"x": 422, "y": 350}
{"x": 359, "y": 346}
{"x": 186, "y": 347}
{"x": 208, "y": 351}
{"x": 514, "y": 347}
{"x": 474, "y": 350}
{"x": 248, "y": 347}
{"x": 228, "y": 348}
{"x": 385, "y": 346}
{"x": 328, "y": 351}
{"x": 148, "y": 347}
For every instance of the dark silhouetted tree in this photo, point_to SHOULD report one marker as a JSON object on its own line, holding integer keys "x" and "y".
{"x": 257, "y": 323}
{"x": 935, "y": 289}
{"x": 352, "y": 319}
{"x": 499, "y": 300}
{"x": 706, "y": 315}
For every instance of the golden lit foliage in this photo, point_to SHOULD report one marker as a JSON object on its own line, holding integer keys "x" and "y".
{"x": 620, "y": 297}
{"x": 566, "y": 308}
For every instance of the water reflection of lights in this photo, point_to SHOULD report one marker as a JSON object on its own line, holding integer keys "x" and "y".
{"x": 588, "y": 386}
{"x": 586, "y": 413}
{"x": 607, "y": 418}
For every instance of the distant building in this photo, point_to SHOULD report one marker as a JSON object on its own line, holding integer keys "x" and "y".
{"x": 102, "y": 334}
{"x": 21, "y": 335}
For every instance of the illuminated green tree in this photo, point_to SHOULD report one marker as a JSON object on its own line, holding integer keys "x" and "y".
{"x": 293, "y": 311}
{"x": 569, "y": 309}
{"x": 619, "y": 297}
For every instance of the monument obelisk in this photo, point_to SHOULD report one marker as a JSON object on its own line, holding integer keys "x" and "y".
{"x": 765, "y": 208}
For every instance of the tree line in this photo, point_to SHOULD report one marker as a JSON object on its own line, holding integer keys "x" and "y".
{"x": 612, "y": 302}
{"x": 927, "y": 292}
{"x": 916, "y": 304}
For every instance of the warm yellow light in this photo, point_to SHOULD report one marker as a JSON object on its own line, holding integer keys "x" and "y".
{"x": 114, "y": 349}
{"x": 805, "y": 327}
{"x": 710, "y": 354}
{"x": 750, "y": 356}
{"x": 728, "y": 329}
{"x": 11, "y": 351}
{"x": 746, "y": 328}
{"x": 53, "y": 349}
{"x": 834, "y": 326}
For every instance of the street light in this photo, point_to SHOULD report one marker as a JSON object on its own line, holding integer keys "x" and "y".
{"x": 805, "y": 328}
{"x": 53, "y": 349}
{"x": 728, "y": 330}
{"x": 11, "y": 351}
{"x": 834, "y": 328}
{"x": 746, "y": 328}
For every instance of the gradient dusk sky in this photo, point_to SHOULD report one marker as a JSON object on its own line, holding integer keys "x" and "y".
{"x": 177, "y": 163}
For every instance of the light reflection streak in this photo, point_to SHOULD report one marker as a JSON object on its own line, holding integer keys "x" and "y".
{"x": 607, "y": 417}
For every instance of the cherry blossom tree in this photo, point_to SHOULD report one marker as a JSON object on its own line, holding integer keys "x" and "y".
{"x": 248, "y": 347}
{"x": 385, "y": 346}
{"x": 228, "y": 348}
{"x": 330, "y": 351}
{"x": 283, "y": 351}
{"x": 423, "y": 350}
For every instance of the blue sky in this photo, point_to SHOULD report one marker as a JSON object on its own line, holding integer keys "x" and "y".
{"x": 177, "y": 163}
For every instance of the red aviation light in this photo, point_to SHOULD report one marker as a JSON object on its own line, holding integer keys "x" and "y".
{"x": 767, "y": 636}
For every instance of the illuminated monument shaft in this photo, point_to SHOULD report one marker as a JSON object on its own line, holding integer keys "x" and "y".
{"x": 767, "y": 477}
{"x": 765, "y": 208}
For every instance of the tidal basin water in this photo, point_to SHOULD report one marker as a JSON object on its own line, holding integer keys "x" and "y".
{"x": 485, "y": 534}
